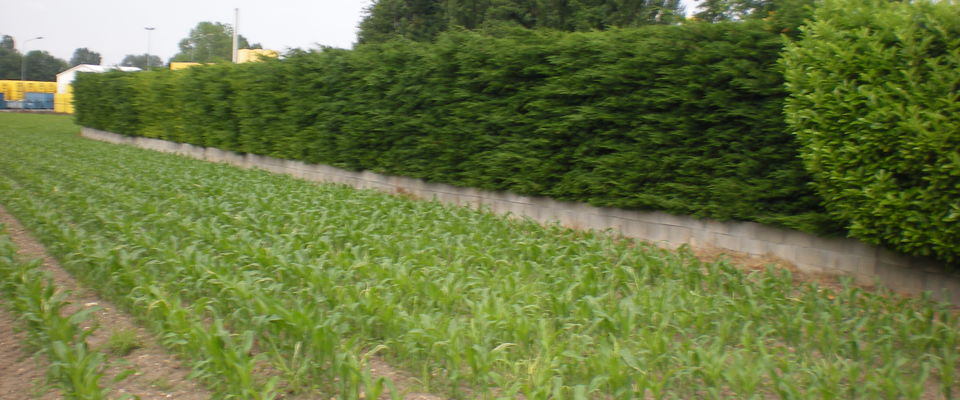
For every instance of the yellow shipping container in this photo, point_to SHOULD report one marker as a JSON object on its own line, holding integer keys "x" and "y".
{"x": 14, "y": 90}
{"x": 63, "y": 103}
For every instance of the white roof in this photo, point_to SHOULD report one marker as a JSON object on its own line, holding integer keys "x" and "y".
{"x": 66, "y": 77}
{"x": 98, "y": 68}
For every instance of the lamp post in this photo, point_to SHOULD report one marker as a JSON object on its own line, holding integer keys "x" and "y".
{"x": 149, "y": 31}
{"x": 23, "y": 59}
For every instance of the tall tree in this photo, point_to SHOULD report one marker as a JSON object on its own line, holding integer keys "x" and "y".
{"x": 210, "y": 42}
{"x": 9, "y": 59}
{"x": 84, "y": 55}
{"x": 41, "y": 66}
{"x": 140, "y": 61}
{"x": 422, "y": 20}
{"x": 783, "y": 15}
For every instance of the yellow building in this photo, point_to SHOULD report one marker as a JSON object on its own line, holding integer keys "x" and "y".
{"x": 251, "y": 55}
{"x": 175, "y": 65}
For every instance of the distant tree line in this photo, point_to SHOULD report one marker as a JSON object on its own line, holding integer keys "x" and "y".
{"x": 423, "y": 20}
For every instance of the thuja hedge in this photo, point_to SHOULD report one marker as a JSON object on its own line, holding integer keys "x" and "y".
{"x": 685, "y": 119}
{"x": 876, "y": 102}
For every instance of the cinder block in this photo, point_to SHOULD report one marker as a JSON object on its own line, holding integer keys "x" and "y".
{"x": 814, "y": 257}
{"x": 785, "y": 251}
{"x": 674, "y": 220}
{"x": 679, "y": 234}
{"x": 702, "y": 238}
{"x": 617, "y": 225}
{"x": 847, "y": 263}
{"x": 799, "y": 239}
{"x": 867, "y": 266}
{"x": 754, "y": 247}
{"x": 657, "y": 233}
{"x": 770, "y": 234}
{"x": 945, "y": 287}
{"x": 727, "y": 242}
{"x": 597, "y": 222}
{"x": 634, "y": 229}
{"x": 895, "y": 276}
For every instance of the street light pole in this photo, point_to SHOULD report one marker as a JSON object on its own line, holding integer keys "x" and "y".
{"x": 23, "y": 59}
{"x": 149, "y": 31}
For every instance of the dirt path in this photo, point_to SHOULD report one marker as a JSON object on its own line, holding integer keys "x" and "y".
{"x": 159, "y": 375}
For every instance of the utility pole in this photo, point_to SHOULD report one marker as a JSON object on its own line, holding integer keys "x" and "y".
{"x": 23, "y": 58}
{"x": 236, "y": 28}
{"x": 149, "y": 31}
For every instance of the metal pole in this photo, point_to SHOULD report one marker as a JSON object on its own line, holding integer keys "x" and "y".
{"x": 23, "y": 58}
{"x": 149, "y": 31}
{"x": 236, "y": 28}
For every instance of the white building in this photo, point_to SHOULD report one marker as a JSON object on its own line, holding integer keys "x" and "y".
{"x": 65, "y": 78}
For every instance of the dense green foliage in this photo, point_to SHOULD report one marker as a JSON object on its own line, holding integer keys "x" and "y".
{"x": 84, "y": 55}
{"x": 216, "y": 259}
{"x": 39, "y": 65}
{"x": 9, "y": 59}
{"x": 210, "y": 42}
{"x": 423, "y": 20}
{"x": 875, "y": 100}
{"x": 685, "y": 119}
{"x": 783, "y": 16}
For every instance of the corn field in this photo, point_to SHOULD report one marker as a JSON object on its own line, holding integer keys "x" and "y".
{"x": 275, "y": 287}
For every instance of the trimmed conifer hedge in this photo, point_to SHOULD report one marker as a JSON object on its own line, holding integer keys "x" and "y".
{"x": 685, "y": 119}
{"x": 875, "y": 100}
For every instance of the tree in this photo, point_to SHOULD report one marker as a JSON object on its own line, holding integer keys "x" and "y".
{"x": 85, "y": 56}
{"x": 423, "y": 20}
{"x": 41, "y": 66}
{"x": 784, "y": 16}
{"x": 140, "y": 61}
{"x": 9, "y": 59}
{"x": 210, "y": 42}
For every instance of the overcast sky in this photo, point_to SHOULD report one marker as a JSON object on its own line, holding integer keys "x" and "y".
{"x": 115, "y": 28}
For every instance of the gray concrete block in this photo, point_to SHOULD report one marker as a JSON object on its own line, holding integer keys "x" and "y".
{"x": 785, "y": 251}
{"x": 799, "y": 239}
{"x": 673, "y": 220}
{"x": 754, "y": 247}
{"x": 944, "y": 287}
{"x": 634, "y": 229}
{"x": 657, "y": 233}
{"x": 847, "y": 263}
{"x": 770, "y": 234}
{"x": 895, "y": 276}
{"x": 679, "y": 234}
{"x": 727, "y": 242}
{"x": 812, "y": 256}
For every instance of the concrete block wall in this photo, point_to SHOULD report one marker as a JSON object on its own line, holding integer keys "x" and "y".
{"x": 865, "y": 263}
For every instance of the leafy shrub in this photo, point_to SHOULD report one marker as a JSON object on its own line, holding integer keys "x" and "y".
{"x": 685, "y": 119}
{"x": 874, "y": 99}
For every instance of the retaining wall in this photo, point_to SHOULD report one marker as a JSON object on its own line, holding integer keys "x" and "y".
{"x": 867, "y": 264}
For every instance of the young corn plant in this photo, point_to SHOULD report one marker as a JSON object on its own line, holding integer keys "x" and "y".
{"x": 32, "y": 296}
{"x": 233, "y": 268}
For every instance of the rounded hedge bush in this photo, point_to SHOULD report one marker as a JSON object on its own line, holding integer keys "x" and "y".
{"x": 875, "y": 101}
